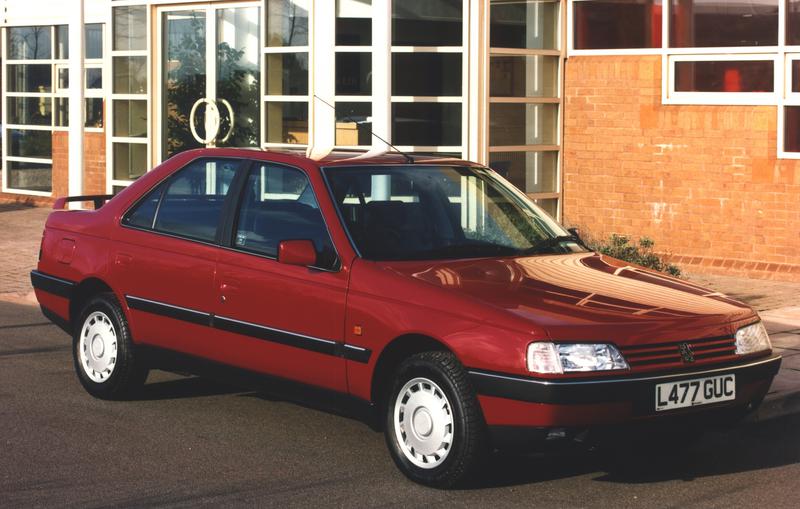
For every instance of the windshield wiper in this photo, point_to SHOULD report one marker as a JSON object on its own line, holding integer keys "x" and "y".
{"x": 550, "y": 243}
{"x": 475, "y": 250}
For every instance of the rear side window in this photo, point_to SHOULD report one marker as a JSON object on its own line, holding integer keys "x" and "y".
{"x": 190, "y": 203}
{"x": 279, "y": 204}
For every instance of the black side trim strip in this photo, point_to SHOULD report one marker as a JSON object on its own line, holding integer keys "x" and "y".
{"x": 168, "y": 310}
{"x": 276, "y": 336}
{"x": 52, "y": 284}
{"x": 293, "y": 339}
{"x": 604, "y": 390}
{"x": 357, "y": 353}
{"x": 57, "y": 319}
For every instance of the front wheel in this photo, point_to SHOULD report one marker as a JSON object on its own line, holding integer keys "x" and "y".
{"x": 103, "y": 352}
{"x": 434, "y": 427}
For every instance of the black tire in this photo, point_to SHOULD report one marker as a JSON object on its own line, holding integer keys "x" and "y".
{"x": 469, "y": 444}
{"x": 128, "y": 374}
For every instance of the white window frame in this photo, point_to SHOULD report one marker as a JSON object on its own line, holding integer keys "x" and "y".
{"x": 6, "y": 126}
{"x": 558, "y": 100}
{"x": 108, "y": 87}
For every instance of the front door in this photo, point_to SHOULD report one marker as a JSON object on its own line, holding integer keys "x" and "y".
{"x": 210, "y": 76}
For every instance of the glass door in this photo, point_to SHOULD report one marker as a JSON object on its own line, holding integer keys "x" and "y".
{"x": 210, "y": 77}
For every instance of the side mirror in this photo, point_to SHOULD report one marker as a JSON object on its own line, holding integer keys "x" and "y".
{"x": 297, "y": 252}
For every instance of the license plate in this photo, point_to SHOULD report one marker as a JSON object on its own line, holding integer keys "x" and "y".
{"x": 699, "y": 391}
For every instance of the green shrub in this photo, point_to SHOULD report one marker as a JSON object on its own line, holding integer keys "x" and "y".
{"x": 620, "y": 247}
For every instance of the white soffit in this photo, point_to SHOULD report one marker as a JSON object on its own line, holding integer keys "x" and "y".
{"x": 49, "y": 12}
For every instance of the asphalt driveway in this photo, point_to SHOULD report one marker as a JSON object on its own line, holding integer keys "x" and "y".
{"x": 191, "y": 442}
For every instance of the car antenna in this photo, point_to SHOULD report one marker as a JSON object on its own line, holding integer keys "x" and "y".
{"x": 348, "y": 118}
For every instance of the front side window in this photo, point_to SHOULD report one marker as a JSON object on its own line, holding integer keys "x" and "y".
{"x": 441, "y": 212}
{"x": 190, "y": 203}
{"x": 279, "y": 204}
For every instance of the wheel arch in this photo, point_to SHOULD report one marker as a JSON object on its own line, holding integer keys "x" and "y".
{"x": 84, "y": 291}
{"x": 392, "y": 355}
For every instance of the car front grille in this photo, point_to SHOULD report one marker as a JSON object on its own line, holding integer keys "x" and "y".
{"x": 680, "y": 353}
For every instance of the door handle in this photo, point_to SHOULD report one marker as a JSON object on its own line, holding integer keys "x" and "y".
{"x": 232, "y": 117}
{"x": 212, "y": 121}
{"x": 227, "y": 288}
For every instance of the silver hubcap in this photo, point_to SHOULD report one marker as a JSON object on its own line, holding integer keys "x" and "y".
{"x": 423, "y": 423}
{"x": 98, "y": 347}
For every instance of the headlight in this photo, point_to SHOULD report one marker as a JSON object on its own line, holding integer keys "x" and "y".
{"x": 545, "y": 357}
{"x": 751, "y": 339}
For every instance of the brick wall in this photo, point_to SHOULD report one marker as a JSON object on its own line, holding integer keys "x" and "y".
{"x": 94, "y": 176}
{"x": 703, "y": 181}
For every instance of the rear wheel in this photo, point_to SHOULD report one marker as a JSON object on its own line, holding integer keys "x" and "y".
{"x": 103, "y": 353}
{"x": 434, "y": 427}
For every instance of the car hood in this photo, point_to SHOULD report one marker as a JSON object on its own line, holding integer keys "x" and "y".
{"x": 585, "y": 296}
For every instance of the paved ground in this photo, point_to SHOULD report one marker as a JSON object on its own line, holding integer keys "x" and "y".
{"x": 187, "y": 442}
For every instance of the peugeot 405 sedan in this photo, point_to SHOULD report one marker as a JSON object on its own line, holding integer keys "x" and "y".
{"x": 431, "y": 290}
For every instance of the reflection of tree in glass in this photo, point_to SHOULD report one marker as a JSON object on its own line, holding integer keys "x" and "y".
{"x": 30, "y": 43}
{"x": 239, "y": 84}
{"x": 185, "y": 80}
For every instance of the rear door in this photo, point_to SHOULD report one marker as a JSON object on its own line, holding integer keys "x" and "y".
{"x": 166, "y": 252}
{"x": 276, "y": 318}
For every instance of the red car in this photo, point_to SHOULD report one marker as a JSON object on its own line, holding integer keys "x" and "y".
{"x": 431, "y": 290}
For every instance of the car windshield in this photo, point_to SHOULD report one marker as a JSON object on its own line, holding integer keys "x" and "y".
{"x": 419, "y": 212}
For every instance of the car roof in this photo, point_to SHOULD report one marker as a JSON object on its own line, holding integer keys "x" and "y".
{"x": 350, "y": 158}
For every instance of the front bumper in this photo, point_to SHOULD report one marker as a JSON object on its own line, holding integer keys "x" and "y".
{"x": 511, "y": 400}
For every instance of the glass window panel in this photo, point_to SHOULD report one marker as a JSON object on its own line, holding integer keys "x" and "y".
{"x": 523, "y": 124}
{"x": 239, "y": 76}
{"x": 286, "y": 122}
{"x": 144, "y": 212}
{"x": 793, "y": 22}
{"x": 791, "y": 126}
{"x": 29, "y": 43}
{"x": 527, "y": 25}
{"x": 62, "y": 79}
{"x": 117, "y": 189}
{"x": 724, "y": 76}
{"x": 279, "y": 204}
{"x": 62, "y": 42}
{"x": 94, "y": 78}
{"x": 30, "y": 110}
{"x": 349, "y": 116}
{"x": 523, "y": 76}
{"x": 94, "y": 41}
{"x": 94, "y": 112}
{"x": 550, "y": 205}
{"x": 23, "y": 143}
{"x": 795, "y": 70}
{"x": 29, "y": 78}
{"x": 193, "y": 199}
{"x": 30, "y": 176}
{"x": 62, "y": 112}
{"x": 61, "y": 118}
{"x": 617, "y": 24}
{"x": 287, "y": 23}
{"x": 426, "y": 124}
{"x": 287, "y": 73}
{"x": 531, "y": 172}
{"x": 353, "y": 22}
{"x": 130, "y": 28}
{"x": 426, "y": 74}
{"x": 130, "y": 118}
{"x": 130, "y": 160}
{"x": 711, "y": 23}
{"x": 427, "y": 23}
{"x": 130, "y": 75}
{"x": 353, "y": 73}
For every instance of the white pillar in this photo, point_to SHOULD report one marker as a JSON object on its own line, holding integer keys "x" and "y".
{"x": 322, "y": 82}
{"x": 76, "y": 103}
{"x": 381, "y": 75}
